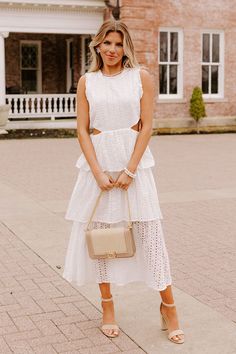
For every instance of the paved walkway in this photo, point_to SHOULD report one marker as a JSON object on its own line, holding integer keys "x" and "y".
{"x": 41, "y": 313}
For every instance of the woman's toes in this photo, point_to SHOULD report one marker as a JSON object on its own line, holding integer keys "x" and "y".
{"x": 177, "y": 338}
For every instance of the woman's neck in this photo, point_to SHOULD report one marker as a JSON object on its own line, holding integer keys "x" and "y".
{"x": 110, "y": 71}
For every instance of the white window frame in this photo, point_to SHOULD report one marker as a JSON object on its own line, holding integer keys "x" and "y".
{"x": 39, "y": 71}
{"x": 179, "y": 63}
{"x": 69, "y": 69}
{"x": 84, "y": 67}
{"x": 220, "y": 94}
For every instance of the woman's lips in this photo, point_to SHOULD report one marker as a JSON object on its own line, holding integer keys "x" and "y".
{"x": 110, "y": 57}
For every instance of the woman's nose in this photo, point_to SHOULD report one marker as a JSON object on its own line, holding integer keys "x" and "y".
{"x": 112, "y": 48}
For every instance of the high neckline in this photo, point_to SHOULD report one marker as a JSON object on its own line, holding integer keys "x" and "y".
{"x": 114, "y": 75}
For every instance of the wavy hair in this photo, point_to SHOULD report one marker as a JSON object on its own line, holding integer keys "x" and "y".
{"x": 129, "y": 59}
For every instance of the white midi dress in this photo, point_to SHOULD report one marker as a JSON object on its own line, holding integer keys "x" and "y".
{"x": 114, "y": 107}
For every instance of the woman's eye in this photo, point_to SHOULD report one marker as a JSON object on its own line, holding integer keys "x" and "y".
{"x": 120, "y": 45}
{"x": 106, "y": 42}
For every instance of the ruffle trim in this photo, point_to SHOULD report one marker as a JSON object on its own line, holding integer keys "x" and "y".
{"x": 112, "y": 207}
{"x": 113, "y": 150}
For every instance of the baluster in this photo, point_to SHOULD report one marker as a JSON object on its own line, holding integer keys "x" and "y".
{"x": 43, "y": 104}
{"x": 33, "y": 110}
{"x": 49, "y": 102}
{"x": 27, "y": 111}
{"x": 67, "y": 103}
{"x": 21, "y": 105}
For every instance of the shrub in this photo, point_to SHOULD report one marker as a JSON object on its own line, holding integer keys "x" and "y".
{"x": 197, "y": 106}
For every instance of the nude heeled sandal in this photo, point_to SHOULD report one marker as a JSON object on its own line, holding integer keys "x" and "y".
{"x": 164, "y": 326}
{"x": 108, "y": 326}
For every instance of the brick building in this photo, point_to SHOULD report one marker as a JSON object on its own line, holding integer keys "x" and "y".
{"x": 187, "y": 44}
{"x": 183, "y": 43}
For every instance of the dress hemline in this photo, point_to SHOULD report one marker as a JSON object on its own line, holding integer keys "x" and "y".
{"x": 73, "y": 282}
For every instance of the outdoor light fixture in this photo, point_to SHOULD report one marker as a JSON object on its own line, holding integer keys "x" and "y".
{"x": 115, "y": 9}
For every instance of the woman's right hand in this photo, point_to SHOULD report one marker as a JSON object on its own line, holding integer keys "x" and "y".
{"x": 104, "y": 181}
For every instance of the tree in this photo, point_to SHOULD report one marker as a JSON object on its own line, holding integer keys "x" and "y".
{"x": 197, "y": 106}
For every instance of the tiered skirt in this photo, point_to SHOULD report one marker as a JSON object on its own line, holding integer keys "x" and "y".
{"x": 150, "y": 264}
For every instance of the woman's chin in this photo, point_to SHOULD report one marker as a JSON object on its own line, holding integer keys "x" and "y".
{"x": 110, "y": 63}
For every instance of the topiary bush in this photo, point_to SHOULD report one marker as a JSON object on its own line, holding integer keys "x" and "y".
{"x": 197, "y": 106}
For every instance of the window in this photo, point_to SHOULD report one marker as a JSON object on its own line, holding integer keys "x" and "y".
{"x": 30, "y": 60}
{"x": 85, "y": 53}
{"x": 212, "y": 64}
{"x": 170, "y": 63}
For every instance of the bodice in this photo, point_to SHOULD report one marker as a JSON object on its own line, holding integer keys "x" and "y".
{"x": 114, "y": 101}
{"x": 114, "y": 107}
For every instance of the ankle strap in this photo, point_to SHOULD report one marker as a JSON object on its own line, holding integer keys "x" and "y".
{"x": 168, "y": 305}
{"x": 106, "y": 300}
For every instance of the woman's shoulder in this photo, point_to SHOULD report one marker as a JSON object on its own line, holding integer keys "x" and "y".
{"x": 144, "y": 72}
{"x": 146, "y": 76}
{"x": 91, "y": 73}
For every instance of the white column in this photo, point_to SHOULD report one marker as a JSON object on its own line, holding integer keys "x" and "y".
{"x": 3, "y": 35}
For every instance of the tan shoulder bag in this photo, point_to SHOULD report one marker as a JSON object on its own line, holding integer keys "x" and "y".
{"x": 114, "y": 242}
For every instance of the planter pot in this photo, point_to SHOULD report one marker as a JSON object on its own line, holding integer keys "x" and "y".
{"x": 4, "y": 113}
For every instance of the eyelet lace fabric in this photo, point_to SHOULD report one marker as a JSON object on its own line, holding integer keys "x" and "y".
{"x": 114, "y": 107}
{"x": 150, "y": 263}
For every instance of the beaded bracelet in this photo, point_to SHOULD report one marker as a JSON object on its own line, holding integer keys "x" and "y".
{"x": 130, "y": 174}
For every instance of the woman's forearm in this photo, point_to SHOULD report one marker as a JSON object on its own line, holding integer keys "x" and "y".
{"x": 89, "y": 152}
{"x": 139, "y": 148}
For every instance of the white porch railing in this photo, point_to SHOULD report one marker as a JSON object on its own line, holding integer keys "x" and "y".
{"x": 39, "y": 106}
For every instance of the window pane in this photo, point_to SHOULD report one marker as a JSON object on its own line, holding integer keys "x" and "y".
{"x": 216, "y": 48}
{"x": 163, "y": 78}
{"x": 163, "y": 46}
{"x": 173, "y": 78}
{"x": 29, "y": 56}
{"x": 29, "y": 80}
{"x": 214, "y": 78}
{"x": 205, "y": 79}
{"x": 174, "y": 46}
{"x": 206, "y": 47}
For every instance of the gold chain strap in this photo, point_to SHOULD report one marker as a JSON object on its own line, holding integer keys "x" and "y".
{"x": 96, "y": 204}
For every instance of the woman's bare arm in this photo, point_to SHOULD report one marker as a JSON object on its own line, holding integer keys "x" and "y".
{"x": 146, "y": 115}
{"x": 83, "y": 121}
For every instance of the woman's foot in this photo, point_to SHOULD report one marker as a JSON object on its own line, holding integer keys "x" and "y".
{"x": 109, "y": 326}
{"x": 170, "y": 314}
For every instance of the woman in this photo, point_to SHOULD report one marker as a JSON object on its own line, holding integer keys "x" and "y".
{"x": 115, "y": 98}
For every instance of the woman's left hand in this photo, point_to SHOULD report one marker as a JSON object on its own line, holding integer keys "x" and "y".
{"x": 123, "y": 181}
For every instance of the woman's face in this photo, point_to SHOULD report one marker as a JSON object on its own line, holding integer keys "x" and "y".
{"x": 111, "y": 49}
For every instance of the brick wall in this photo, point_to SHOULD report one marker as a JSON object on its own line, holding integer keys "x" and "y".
{"x": 144, "y": 17}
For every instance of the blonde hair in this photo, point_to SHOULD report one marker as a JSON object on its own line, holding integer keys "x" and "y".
{"x": 129, "y": 59}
